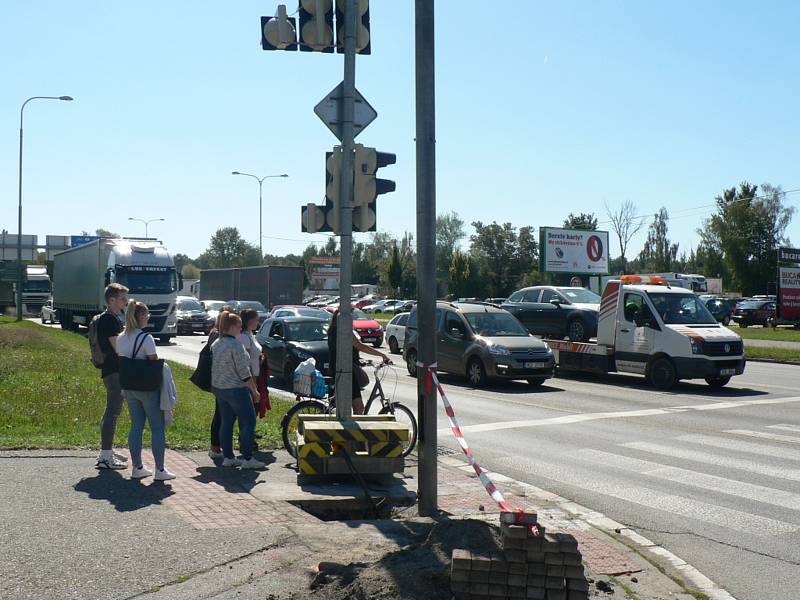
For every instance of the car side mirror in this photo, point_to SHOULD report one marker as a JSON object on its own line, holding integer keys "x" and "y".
{"x": 556, "y": 302}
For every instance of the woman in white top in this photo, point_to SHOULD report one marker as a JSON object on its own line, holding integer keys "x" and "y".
{"x": 143, "y": 405}
{"x": 250, "y": 323}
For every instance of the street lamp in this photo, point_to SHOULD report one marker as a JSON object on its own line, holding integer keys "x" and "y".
{"x": 19, "y": 224}
{"x": 146, "y": 222}
{"x": 260, "y": 184}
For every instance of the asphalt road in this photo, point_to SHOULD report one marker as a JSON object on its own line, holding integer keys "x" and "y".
{"x": 712, "y": 476}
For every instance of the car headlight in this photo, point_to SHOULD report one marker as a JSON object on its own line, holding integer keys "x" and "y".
{"x": 697, "y": 346}
{"x": 499, "y": 350}
{"x": 549, "y": 349}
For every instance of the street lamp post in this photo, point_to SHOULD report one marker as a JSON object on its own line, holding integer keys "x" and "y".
{"x": 146, "y": 223}
{"x": 19, "y": 223}
{"x": 260, "y": 185}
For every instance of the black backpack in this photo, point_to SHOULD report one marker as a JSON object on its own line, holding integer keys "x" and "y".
{"x": 202, "y": 374}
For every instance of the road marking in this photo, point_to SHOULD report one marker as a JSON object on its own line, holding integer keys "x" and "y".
{"x": 741, "y": 446}
{"x": 717, "y": 460}
{"x": 621, "y": 414}
{"x": 685, "y": 508}
{"x": 759, "y": 493}
{"x": 784, "y": 427}
{"x": 765, "y": 436}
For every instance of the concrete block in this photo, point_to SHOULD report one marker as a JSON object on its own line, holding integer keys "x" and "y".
{"x": 533, "y": 543}
{"x": 556, "y": 571}
{"x": 555, "y": 583}
{"x": 518, "y": 568}
{"x": 576, "y": 595}
{"x": 461, "y": 559}
{"x": 580, "y": 585}
{"x": 513, "y": 518}
{"x": 535, "y": 556}
{"x": 566, "y": 542}
{"x": 535, "y": 593}
{"x": 516, "y": 556}
{"x": 513, "y": 543}
{"x": 536, "y": 581}
{"x": 496, "y": 578}
{"x": 554, "y": 559}
{"x": 556, "y": 595}
{"x": 460, "y": 588}
{"x": 498, "y": 591}
{"x": 499, "y": 565}
{"x": 571, "y": 572}
{"x": 518, "y": 580}
{"x": 480, "y": 588}
{"x": 459, "y": 575}
{"x": 478, "y": 576}
{"x": 537, "y": 569}
{"x": 481, "y": 563}
{"x": 513, "y": 531}
{"x": 516, "y": 591}
{"x": 575, "y": 560}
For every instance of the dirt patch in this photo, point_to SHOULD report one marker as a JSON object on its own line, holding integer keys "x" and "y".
{"x": 421, "y": 571}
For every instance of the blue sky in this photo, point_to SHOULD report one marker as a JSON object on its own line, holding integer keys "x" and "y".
{"x": 543, "y": 108}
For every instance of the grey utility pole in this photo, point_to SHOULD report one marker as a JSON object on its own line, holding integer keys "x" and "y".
{"x": 426, "y": 251}
{"x": 20, "y": 268}
{"x": 344, "y": 336}
{"x": 260, "y": 209}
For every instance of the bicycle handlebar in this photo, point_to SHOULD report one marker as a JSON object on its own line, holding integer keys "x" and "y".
{"x": 378, "y": 366}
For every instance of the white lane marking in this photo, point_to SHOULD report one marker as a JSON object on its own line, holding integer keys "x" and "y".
{"x": 785, "y": 427}
{"x": 759, "y": 493}
{"x": 687, "y": 508}
{"x": 717, "y": 460}
{"x": 765, "y": 436}
{"x": 620, "y": 414}
{"x": 741, "y": 446}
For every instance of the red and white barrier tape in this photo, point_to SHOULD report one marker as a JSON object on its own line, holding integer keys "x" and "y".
{"x": 430, "y": 380}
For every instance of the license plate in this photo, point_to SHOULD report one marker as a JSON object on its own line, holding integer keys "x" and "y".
{"x": 536, "y": 365}
{"x": 725, "y": 372}
{"x": 197, "y": 326}
{"x": 326, "y": 365}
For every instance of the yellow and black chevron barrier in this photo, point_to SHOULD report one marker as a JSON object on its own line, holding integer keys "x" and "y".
{"x": 385, "y": 449}
{"x": 365, "y": 432}
{"x": 311, "y": 458}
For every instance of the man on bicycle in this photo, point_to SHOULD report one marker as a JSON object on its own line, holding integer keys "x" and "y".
{"x": 358, "y": 371}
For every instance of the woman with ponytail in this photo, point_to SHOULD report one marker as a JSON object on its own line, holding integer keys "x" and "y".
{"x": 143, "y": 406}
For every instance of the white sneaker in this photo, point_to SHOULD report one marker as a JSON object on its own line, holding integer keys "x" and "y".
{"x": 213, "y": 454}
{"x": 231, "y": 462}
{"x": 252, "y": 463}
{"x": 140, "y": 472}
{"x": 110, "y": 463}
{"x": 164, "y": 475}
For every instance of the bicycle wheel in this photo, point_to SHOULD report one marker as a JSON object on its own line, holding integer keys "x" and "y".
{"x": 291, "y": 421}
{"x": 403, "y": 415}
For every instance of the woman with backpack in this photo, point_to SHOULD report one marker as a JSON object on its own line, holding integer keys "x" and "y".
{"x": 143, "y": 406}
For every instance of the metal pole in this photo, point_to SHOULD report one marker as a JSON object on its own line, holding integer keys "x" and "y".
{"x": 426, "y": 252}
{"x": 344, "y": 338}
{"x": 260, "y": 220}
{"x": 19, "y": 223}
{"x": 146, "y": 223}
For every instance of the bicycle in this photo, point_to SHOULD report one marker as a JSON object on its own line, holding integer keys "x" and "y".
{"x": 402, "y": 413}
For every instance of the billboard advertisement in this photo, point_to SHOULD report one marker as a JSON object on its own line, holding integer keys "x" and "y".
{"x": 573, "y": 251}
{"x": 324, "y": 273}
{"x": 789, "y": 294}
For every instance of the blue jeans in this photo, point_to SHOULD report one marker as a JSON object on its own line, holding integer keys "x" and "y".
{"x": 146, "y": 406}
{"x": 236, "y": 403}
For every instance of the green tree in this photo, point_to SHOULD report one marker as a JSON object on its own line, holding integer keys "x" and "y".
{"x": 394, "y": 270}
{"x": 227, "y": 249}
{"x": 625, "y": 223}
{"x": 459, "y": 274}
{"x": 190, "y": 271}
{"x": 106, "y": 233}
{"x": 746, "y": 231}
{"x": 503, "y": 255}
{"x": 585, "y": 221}
{"x": 659, "y": 254}
{"x": 449, "y": 233}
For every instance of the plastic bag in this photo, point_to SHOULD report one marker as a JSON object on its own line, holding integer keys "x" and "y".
{"x": 308, "y": 381}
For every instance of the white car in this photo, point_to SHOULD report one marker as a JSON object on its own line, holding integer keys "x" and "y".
{"x": 396, "y": 332}
{"x": 48, "y": 313}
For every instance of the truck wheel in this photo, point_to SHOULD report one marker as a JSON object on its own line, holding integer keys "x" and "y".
{"x": 65, "y": 319}
{"x": 476, "y": 374}
{"x": 576, "y": 331}
{"x": 716, "y": 383}
{"x": 662, "y": 374}
{"x": 411, "y": 362}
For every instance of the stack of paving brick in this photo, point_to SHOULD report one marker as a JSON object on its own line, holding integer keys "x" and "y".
{"x": 533, "y": 565}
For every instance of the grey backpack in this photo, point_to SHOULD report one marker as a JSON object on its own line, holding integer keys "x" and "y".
{"x": 98, "y": 357}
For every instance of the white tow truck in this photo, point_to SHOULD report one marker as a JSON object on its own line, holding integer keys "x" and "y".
{"x": 650, "y": 328}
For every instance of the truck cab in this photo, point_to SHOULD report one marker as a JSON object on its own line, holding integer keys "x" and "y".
{"x": 665, "y": 333}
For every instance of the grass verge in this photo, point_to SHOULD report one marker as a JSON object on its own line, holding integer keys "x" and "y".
{"x": 52, "y": 397}
{"x": 780, "y": 334}
{"x": 788, "y": 355}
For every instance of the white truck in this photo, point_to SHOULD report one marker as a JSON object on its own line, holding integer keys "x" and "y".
{"x": 650, "y": 328}
{"x": 35, "y": 289}
{"x": 81, "y": 274}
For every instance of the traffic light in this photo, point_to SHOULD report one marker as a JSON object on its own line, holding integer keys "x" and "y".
{"x": 366, "y": 187}
{"x": 333, "y": 173}
{"x": 316, "y": 25}
{"x": 312, "y": 218}
{"x": 362, "y": 26}
{"x": 279, "y": 32}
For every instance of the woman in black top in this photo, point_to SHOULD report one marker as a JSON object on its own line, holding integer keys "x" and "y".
{"x": 358, "y": 346}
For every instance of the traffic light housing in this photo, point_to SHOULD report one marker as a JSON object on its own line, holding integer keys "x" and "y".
{"x": 316, "y": 25}
{"x": 279, "y": 32}
{"x": 363, "y": 38}
{"x": 367, "y": 187}
{"x": 312, "y": 218}
{"x": 333, "y": 174}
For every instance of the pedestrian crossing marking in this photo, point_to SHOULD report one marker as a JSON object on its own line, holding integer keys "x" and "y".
{"x": 758, "y": 493}
{"x": 741, "y": 446}
{"x": 716, "y": 459}
{"x": 766, "y": 436}
{"x": 785, "y": 427}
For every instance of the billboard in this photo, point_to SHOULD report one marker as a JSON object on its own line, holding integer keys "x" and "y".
{"x": 573, "y": 251}
{"x": 324, "y": 273}
{"x": 788, "y": 255}
{"x": 789, "y": 293}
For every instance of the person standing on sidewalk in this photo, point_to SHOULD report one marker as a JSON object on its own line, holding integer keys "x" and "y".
{"x": 109, "y": 326}
{"x": 235, "y": 390}
{"x": 215, "y": 451}
{"x": 136, "y": 344}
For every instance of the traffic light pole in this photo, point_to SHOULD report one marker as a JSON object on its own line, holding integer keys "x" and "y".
{"x": 426, "y": 251}
{"x": 344, "y": 337}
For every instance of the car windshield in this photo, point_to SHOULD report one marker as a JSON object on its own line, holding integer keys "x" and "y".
{"x": 307, "y": 331}
{"x": 36, "y": 285}
{"x": 495, "y": 324}
{"x": 361, "y": 315}
{"x": 148, "y": 280}
{"x": 254, "y": 305}
{"x": 213, "y": 305}
{"x": 751, "y": 304}
{"x": 314, "y": 312}
{"x": 681, "y": 309}
{"x": 189, "y": 305}
{"x": 580, "y": 295}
